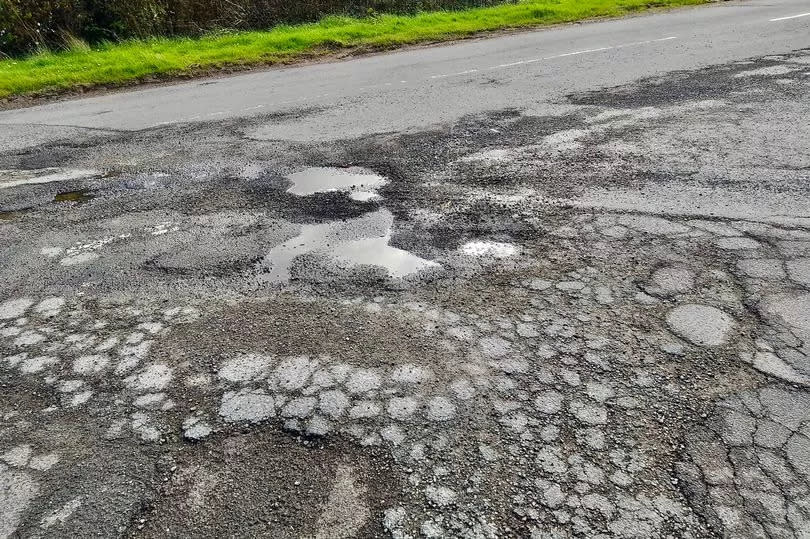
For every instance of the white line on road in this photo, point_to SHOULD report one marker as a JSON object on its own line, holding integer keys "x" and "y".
{"x": 585, "y": 51}
{"x": 576, "y": 53}
{"x": 520, "y": 62}
{"x": 659, "y": 40}
{"x": 790, "y": 17}
{"x": 454, "y": 74}
{"x": 532, "y": 60}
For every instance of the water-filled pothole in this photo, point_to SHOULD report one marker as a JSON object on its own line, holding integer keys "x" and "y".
{"x": 363, "y": 241}
{"x": 76, "y": 197}
{"x": 361, "y": 184}
{"x": 79, "y": 196}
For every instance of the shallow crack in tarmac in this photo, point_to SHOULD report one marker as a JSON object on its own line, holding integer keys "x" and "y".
{"x": 554, "y": 353}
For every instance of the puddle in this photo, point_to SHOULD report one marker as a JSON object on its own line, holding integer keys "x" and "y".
{"x": 360, "y": 183}
{"x": 77, "y": 197}
{"x": 82, "y": 195}
{"x": 354, "y": 242}
{"x": 15, "y": 178}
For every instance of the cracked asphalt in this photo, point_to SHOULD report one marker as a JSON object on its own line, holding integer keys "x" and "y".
{"x": 587, "y": 319}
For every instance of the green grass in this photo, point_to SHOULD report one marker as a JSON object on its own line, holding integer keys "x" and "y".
{"x": 120, "y": 63}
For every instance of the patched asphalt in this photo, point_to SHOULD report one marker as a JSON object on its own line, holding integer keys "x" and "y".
{"x": 583, "y": 320}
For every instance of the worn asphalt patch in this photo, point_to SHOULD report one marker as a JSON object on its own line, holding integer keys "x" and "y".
{"x": 585, "y": 320}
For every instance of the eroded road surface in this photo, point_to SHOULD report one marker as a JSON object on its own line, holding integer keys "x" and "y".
{"x": 589, "y": 318}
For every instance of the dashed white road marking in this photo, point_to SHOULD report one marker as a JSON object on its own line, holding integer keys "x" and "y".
{"x": 454, "y": 74}
{"x": 519, "y": 62}
{"x": 584, "y": 51}
{"x": 659, "y": 40}
{"x": 575, "y": 53}
{"x": 790, "y": 17}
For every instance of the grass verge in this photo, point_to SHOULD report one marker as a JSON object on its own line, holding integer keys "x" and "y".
{"x": 132, "y": 61}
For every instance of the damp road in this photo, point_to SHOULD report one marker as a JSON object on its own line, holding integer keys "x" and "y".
{"x": 554, "y": 285}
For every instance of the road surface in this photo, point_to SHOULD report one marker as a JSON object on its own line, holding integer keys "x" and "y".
{"x": 550, "y": 284}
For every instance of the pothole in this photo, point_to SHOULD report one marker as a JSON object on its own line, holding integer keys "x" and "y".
{"x": 354, "y": 242}
{"x": 79, "y": 196}
{"x": 361, "y": 184}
